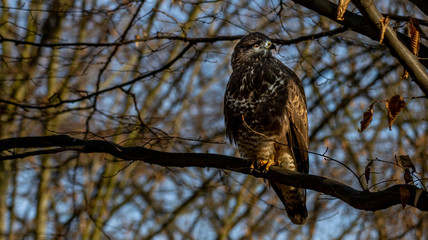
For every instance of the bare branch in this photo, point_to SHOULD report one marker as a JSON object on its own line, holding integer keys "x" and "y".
{"x": 404, "y": 56}
{"x": 172, "y": 37}
{"x": 358, "y": 24}
{"x": 94, "y": 94}
{"x": 363, "y": 200}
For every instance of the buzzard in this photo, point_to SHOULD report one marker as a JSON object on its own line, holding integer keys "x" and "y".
{"x": 266, "y": 116}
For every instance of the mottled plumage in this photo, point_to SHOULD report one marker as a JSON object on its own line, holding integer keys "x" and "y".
{"x": 272, "y": 101}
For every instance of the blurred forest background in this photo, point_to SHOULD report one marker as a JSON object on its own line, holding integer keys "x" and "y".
{"x": 153, "y": 74}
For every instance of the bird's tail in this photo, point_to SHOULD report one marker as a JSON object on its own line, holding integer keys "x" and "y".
{"x": 294, "y": 200}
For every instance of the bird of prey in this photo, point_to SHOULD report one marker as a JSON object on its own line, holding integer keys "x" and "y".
{"x": 266, "y": 116}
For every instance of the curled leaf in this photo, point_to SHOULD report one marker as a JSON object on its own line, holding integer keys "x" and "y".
{"x": 394, "y": 105}
{"x": 367, "y": 118}
{"x": 383, "y": 24}
{"x": 341, "y": 9}
{"x": 367, "y": 170}
{"x": 406, "y": 162}
{"x": 414, "y": 34}
{"x": 404, "y": 195}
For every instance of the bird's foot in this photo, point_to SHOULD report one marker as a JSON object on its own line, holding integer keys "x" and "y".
{"x": 264, "y": 164}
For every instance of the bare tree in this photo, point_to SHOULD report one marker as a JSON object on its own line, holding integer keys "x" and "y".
{"x": 112, "y": 126}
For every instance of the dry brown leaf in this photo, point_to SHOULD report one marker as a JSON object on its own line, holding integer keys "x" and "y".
{"x": 383, "y": 24}
{"x": 404, "y": 195}
{"x": 406, "y": 162}
{"x": 367, "y": 171}
{"x": 394, "y": 105}
{"x": 405, "y": 74}
{"x": 418, "y": 27}
{"x": 367, "y": 118}
{"x": 414, "y": 34}
{"x": 341, "y": 9}
{"x": 407, "y": 176}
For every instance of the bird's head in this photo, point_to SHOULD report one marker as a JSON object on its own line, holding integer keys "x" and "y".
{"x": 251, "y": 48}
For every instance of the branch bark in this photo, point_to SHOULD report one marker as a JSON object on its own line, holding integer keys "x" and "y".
{"x": 361, "y": 25}
{"x": 403, "y": 55}
{"x": 364, "y": 200}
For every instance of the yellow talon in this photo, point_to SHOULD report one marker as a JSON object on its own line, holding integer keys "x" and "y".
{"x": 264, "y": 164}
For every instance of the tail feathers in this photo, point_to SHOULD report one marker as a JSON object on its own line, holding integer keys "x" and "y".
{"x": 294, "y": 200}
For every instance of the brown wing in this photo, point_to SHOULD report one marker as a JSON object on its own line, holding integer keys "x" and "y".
{"x": 297, "y": 115}
{"x": 299, "y": 124}
{"x": 294, "y": 132}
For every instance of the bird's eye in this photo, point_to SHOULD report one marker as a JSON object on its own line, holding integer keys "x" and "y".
{"x": 256, "y": 45}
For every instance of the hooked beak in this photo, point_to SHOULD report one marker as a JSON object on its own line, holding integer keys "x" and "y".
{"x": 269, "y": 45}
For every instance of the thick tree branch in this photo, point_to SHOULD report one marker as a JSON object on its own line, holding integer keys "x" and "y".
{"x": 360, "y": 25}
{"x": 404, "y": 56}
{"x": 363, "y": 200}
